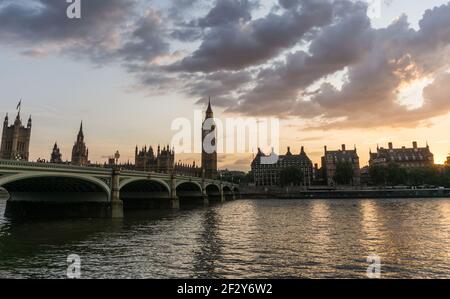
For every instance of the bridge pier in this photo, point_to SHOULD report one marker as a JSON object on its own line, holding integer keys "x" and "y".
{"x": 222, "y": 194}
{"x": 116, "y": 202}
{"x": 174, "y": 200}
{"x": 205, "y": 199}
{"x": 39, "y": 189}
{"x": 204, "y": 193}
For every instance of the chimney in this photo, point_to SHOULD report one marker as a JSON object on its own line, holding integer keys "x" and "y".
{"x": 391, "y": 146}
{"x": 343, "y": 147}
{"x": 325, "y": 148}
{"x": 415, "y": 144}
{"x": 302, "y": 149}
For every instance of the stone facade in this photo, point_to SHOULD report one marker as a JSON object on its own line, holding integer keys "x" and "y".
{"x": 209, "y": 155}
{"x": 331, "y": 159}
{"x": 80, "y": 153}
{"x": 147, "y": 160}
{"x": 56, "y": 156}
{"x": 269, "y": 174}
{"x": 188, "y": 169}
{"x": 15, "y": 143}
{"x": 414, "y": 157}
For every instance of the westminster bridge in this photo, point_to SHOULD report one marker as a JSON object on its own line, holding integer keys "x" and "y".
{"x": 53, "y": 189}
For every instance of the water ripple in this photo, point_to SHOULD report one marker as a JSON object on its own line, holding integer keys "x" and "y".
{"x": 241, "y": 239}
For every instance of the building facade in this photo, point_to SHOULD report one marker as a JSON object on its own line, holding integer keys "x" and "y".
{"x": 270, "y": 174}
{"x": 188, "y": 169}
{"x": 414, "y": 157}
{"x": 56, "y": 156}
{"x": 80, "y": 153}
{"x": 331, "y": 159}
{"x": 209, "y": 138}
{"x": 15, "y": 143}
{"x": 162, "y": 161}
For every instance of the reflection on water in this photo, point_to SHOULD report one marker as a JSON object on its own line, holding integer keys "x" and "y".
{"x": 241, "y": 239}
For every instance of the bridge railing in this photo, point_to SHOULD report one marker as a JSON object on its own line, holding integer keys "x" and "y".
{"x": 24, "y": 164}
{"x": 50, "y": 165}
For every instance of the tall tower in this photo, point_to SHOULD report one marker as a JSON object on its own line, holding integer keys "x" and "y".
{"x": 15, "y": 143}
{"x": 56, "y": 156}
{"x": 209, "y": 145}
{"x": 80, "y": 152}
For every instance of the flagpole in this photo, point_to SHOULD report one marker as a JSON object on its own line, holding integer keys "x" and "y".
{"x": 19, "y": 106}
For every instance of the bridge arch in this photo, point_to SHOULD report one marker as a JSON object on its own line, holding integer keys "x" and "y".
{"x": 227, "y": 189}
{"x": 151, "y": 181}
{"x": 228, "y": 192}
{"x": 212, "y": 189}
{"x": 188, "y": 184}
{"x": 189, "y": 190}
{"x": 144, "y": 193}
{"x": 51, "y": 186}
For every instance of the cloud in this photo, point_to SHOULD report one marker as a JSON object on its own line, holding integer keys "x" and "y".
{"x": 320, "y": 61}
{"x": 378, "y": 62}
{"x": 228, "y": 12}
{"x": 334, "y": 48}
{"x": 234, "y": 46}
{"x": 222, "y": 86}
{"x": 43, "y": 25}
{"x": 147, "y": 41}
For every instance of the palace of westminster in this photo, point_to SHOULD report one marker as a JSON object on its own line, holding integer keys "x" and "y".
{"x": 15, "y": 145}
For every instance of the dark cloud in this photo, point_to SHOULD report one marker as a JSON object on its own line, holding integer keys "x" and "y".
{"x": 237, "y": 46}
{"x": 222, "y": 86}
{"x": 378, "y": 63}
{"x": 227, "y": 12}
{"x": 42, "y": 25}
{"x": 147, "y": 41}
{"x": 281, "y": 64}
{"x": 288, "y": 4}
{"x": 279, "y": 86}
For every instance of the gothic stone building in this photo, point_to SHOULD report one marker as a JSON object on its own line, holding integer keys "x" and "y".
{"x": 405, "y": 157}
{"x": 269, "y": 174}
{"x": 163, "y": 161}
{"x": 15, "y": 140}
{"x": 147, "y": 160}
{"x": 331, "y": 159}
{"x": 80, "y": 153}
{"x": 209, "y": 154}
{"x": 56, "y": 156}
{"x": 188, "y": 169}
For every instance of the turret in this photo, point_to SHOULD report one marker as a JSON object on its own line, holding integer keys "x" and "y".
{"x": 209, "y": 112}
{"x": 80, "y": 137}
{"x": 18, "y": 122}
{"x": 6, "y": 122}
{"x": 289, "y": 151}
{"x": 29, "y": 123}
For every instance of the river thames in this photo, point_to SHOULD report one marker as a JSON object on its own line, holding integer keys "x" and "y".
{"x": 239, "y": 239}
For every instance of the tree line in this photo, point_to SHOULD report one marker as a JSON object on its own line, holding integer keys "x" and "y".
{"x": 395, "y": 175}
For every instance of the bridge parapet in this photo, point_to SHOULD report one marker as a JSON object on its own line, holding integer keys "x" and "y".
{"x": 58, "y": 183}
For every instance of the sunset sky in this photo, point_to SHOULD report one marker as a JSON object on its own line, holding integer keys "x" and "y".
{"x": 331, "y": 71}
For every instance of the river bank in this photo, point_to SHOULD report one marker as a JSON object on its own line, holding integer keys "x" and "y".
{"x": 345, "y": 194}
